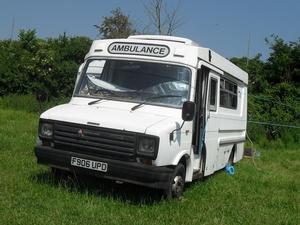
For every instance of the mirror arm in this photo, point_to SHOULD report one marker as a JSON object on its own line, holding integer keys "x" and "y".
{"x": 177, "y": 129}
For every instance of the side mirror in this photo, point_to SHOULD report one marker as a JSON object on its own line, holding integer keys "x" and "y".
{"x": 188, "y": 111}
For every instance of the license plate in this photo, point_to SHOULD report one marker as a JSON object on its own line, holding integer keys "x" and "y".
{"x": 89, "y": 164}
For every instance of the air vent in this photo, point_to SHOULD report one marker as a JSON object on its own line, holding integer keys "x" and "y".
{"x": 164, "y": 38}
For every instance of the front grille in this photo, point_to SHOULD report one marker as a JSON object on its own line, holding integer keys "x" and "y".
{"x": 96, "y": 141}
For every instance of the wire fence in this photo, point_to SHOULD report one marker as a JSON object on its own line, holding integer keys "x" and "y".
{"x": 268, "y": 123}
{"x": 273, "y": 124}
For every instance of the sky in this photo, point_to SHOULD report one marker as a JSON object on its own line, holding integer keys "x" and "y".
{"x": 222, "y": 25}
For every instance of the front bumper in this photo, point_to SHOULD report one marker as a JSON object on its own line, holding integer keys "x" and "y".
{"x": 131, "y": 172}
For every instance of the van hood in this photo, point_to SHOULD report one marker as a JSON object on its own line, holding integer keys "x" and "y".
{"x": 118, "y": 117}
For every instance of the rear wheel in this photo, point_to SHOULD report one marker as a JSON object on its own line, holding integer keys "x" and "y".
{"x": 176, "y": 183}
{"x": 202, "y": 165}
{"x": 231, "y": 157}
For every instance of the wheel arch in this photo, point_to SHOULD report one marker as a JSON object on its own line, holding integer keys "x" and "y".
{"x": 185, "y": 158}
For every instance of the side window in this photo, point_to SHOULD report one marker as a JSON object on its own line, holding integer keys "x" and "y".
{"x": 95, "y": 68}
{"x": 213, "y": 94}
{"x": 228, "y": 94}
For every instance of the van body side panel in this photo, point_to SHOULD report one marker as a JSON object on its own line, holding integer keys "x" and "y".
{"x": 225, "y": 128}
{"x": 232, "y": 128}
{"x": 170, "y": 151}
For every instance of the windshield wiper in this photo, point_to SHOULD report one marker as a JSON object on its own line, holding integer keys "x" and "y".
{"x": 154, "y": 97}
{"x": 106, "y": 91}
{"x": 94, "y": 101}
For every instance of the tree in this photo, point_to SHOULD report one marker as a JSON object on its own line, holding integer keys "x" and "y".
{"x": 274, "y": 89}
{"x": 255, "y": 68}
{"x": 117, "y": 25}
{"x": 283, "y": 65}
{"x": 163, "y": 19}
{"x": 30, "y": 64}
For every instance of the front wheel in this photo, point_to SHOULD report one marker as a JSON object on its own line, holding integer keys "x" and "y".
{"x": 56, "y": 172}
{"x": 176, "y": 183}
{"x": 59, "y": 174}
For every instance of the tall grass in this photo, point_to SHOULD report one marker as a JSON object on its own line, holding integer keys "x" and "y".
{"x": 266, "y": 192}
{"x": 288, "y": 138}
{"x": 28, "y": 103}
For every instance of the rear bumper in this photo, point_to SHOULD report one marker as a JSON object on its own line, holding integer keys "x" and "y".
{"x": 131, "y": 172}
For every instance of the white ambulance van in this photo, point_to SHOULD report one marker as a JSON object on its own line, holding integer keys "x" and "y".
{"x": 151, "y": 110}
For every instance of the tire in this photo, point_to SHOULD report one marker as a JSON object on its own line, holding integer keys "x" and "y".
{"x": 55, "y": 172}
{"x": 202, "y": 165}
{"x": 63, "y": 178}
{"x": 176, "y": 184}
{"x": 231, "y": 157}
{"x": 58, "y": 173}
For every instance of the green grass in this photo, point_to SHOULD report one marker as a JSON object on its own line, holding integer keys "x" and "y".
{"x": 28, "y": 103}
{"x": 266, "y": 194}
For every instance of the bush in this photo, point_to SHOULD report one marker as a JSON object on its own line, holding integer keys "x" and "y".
{"x": 30, "y": 65}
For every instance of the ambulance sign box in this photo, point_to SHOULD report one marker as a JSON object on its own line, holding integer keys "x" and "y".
{"x": 139, "y": 49}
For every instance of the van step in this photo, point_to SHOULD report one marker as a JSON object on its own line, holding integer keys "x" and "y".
{"x": 196, "y": 171}
{"x": 197, "y": 174}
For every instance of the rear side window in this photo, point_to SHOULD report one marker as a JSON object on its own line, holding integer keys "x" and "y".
{"x": 228, "y": 94}
{"x": 213, "y": 94}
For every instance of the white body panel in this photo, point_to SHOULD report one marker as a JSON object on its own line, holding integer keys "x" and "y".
{"x": 225, "y": 128}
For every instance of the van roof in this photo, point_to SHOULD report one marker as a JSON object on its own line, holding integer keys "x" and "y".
{"x": 164, "y": 38}
{"x": 181, "y": 50}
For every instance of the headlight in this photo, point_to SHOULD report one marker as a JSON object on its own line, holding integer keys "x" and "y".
{"x": 46, "y": 130}
{"x": 148, "y": 146}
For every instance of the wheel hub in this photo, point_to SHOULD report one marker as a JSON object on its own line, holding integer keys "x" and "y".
{"x": 177, "y": 186}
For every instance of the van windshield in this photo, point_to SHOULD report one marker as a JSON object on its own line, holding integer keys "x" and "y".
{"x": 135, "y": 81}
